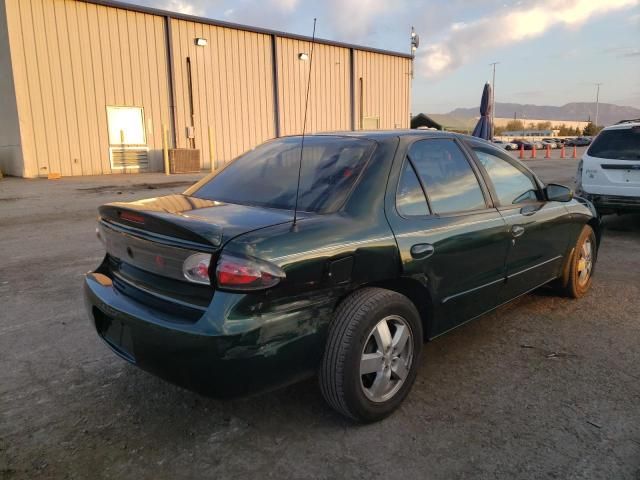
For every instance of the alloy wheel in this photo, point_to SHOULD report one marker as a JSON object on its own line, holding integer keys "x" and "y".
{"x": 386, "y": 358}
{"x": 585, "y": 262}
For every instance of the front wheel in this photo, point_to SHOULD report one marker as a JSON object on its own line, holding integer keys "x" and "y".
{"x": 372, "y": 354}
{"x": 579, "y": 273}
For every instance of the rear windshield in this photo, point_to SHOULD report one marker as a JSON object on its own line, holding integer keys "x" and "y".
{"x": 267, "y": 176}
{"x": 618, "y": 144}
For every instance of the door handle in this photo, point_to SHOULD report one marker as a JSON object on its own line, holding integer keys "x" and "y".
{"x": 517, "y": 230}
{"x": 422, "y": 250}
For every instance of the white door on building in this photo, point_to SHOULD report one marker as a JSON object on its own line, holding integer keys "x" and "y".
{"x": 127, "y": 139}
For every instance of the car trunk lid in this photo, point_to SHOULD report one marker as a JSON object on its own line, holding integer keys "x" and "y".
{"x": 186, "y": 220}
{"x": 148, "y": 241}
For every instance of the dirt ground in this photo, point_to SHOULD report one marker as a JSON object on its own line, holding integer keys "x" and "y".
{"x": 545, "y": 387}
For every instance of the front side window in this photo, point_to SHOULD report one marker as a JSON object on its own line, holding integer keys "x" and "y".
{"x": 449, "y": 181}
{"x": 512, "y": 186}
{"x": 267, "y": 176}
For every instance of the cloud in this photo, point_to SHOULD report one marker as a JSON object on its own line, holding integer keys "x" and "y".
{"x": 623, "y": 52}
{"x": 275, "y": 14}
{"x": 286, "y": 5}
{"x": 464, "y": 41}
{"x": 353, "y": 20}
{"x": 347, "y": 20}
{"x": 187, "y": 7}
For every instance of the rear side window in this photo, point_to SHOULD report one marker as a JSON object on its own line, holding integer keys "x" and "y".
{"x": 511, "y": 184}
{"x": 267, "y": 176}
{"x": 410, "y": 199}
{"x": 617, "y": 144}
{"x": 450, "y": 182}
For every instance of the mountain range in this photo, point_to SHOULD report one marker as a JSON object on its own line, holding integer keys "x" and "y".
{"x": 608, "y": 113}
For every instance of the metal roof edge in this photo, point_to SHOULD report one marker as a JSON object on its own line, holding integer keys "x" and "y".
{"x": 238, "y": 26}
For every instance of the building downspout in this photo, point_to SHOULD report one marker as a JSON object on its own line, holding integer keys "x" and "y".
{"x": 276, "y": 85}
{"x": 361, "y": 81}
{"x": 352, "y": 88}
{"x": 171, "y": 78}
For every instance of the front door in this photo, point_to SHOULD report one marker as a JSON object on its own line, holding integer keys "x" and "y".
{"x": 449, "y": 235}
{"x": 538, "y": 228}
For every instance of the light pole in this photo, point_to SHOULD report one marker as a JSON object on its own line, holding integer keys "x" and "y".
{"x": 493, "y": 99}
{"x": 597, "y": 102}
{"x": 415, "y": 43}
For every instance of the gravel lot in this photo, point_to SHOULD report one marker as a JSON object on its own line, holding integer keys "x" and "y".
{"x": 545, "y": 387}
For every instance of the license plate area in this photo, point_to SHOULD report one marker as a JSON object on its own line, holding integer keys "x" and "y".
{"x": 116, "y": 333}
{"x": 632, "y": 176}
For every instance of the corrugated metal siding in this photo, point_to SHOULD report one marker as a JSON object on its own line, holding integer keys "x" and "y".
{"x": 233, "y": 93}
{"x": 10, "y": 152}
{"x": 72, "y": 59}
{"x": 329, "y": 94}
{"x": 385, "y": 89}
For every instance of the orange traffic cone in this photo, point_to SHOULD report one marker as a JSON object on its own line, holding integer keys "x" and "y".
{"x": 521, "y": 151}
{"x": 533, "y": 151}
{"x": 562, "y": 153}
{"x": 575, "y": 152}
{"x": 548, "y": 152}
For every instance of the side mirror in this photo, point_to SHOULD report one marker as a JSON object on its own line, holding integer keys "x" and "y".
{"x": 558, "y": 193}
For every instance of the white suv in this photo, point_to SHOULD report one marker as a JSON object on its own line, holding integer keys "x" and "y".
{"x": 609, "y": 172}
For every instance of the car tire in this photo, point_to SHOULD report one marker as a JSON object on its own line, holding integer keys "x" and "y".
{"x": 578, "y": 274}
{"x": 355, "y": 344}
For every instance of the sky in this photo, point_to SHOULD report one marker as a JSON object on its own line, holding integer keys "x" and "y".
{"x": 551, "y": 52}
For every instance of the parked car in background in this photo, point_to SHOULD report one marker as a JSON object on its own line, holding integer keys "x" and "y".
{"x": 397, "y": 238}
{"x": 522, "y": 143}
{"x": 558, "y": 141}
{"x": 505, "y": 145}
{"x": 578, "y": 142}
{"x": 539, "y": 145}
{"x": 609, "y": 171}
{"x": 551, "y": 143}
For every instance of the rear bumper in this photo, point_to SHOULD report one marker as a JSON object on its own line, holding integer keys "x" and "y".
{"x": 213, "y": 356}
{"x": 612, "y": 203}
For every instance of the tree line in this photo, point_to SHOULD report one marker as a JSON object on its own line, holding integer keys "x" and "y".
{"x": 563, "y": 130}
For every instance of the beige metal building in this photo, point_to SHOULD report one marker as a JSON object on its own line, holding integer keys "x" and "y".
{"x": 88, "y": 87}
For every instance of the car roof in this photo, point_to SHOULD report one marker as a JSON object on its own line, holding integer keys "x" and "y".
{"x": 623, "y": 125}
{"x": 385, "y": 134}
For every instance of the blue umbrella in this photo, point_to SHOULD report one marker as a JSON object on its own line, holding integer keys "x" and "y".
{"x": 483, "y": 127}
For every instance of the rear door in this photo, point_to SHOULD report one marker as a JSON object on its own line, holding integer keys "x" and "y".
{"x": 450, "y": 236}
{"x": 611, "y": 166}
{"x": 539, "y": 230}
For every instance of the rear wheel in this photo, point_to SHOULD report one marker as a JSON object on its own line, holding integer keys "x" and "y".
{"x": 579, "y": 273}
{"x": 372, "y": 353}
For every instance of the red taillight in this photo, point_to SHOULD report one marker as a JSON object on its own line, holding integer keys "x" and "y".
{"x": 236, "y": 273}
{"x": 132, "y": 217}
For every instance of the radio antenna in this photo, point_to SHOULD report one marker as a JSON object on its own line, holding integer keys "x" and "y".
{"x": 304, "y": 123}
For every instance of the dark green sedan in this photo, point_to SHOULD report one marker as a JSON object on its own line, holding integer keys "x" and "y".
{"x": 397, "y": 238}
